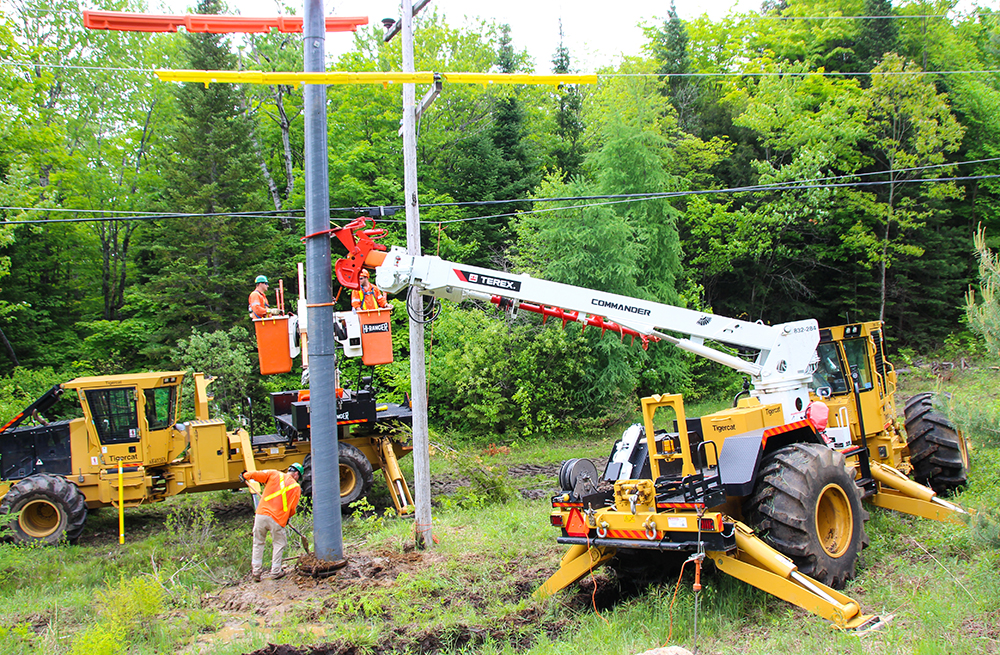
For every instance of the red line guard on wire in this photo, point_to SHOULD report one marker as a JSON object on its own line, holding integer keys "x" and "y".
{"x": 124, "y": 21}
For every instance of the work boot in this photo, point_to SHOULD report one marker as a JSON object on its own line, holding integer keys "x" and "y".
{"x": 280, "y": 574}
{"x": 256, "y": 576}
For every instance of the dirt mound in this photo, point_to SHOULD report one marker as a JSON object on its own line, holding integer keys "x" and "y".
{"x": 525, "y": 470}
{"x": 519, "y": 630}
{"x": 449, "y": 484}
{"x": 315, "y": 567}
{"x": 322, "y": 649}
{"x": 272, "y": 601}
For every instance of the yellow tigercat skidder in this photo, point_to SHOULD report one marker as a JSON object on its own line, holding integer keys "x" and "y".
{"x": 770, "y": 490}
{"x": 52, "y": 472}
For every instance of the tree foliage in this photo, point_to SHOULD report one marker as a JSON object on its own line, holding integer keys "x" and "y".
{"x": 984, "y": 312}
{"x": 806, "y": 179}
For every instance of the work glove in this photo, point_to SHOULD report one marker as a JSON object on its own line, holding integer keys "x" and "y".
{"x": 242, "y": 479}
{"x": 272, "y": 311}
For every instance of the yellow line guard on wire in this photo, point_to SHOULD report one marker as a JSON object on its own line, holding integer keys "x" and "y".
{"x": 339, "y": 77}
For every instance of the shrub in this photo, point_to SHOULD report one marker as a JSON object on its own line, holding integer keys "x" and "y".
{"x": 125, "y": 610}
{"x": 129, "y": 603}
{"x": 512, "y": 378}
{"x": 226, "y": 356}
{"x": 191, "y": 522}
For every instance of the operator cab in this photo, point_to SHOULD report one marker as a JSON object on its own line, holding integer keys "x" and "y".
{"x": 844, "y": 348}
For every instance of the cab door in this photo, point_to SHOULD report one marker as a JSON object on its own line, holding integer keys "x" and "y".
{"x": 159, "y": 413}
{"x": 857, "y": 353}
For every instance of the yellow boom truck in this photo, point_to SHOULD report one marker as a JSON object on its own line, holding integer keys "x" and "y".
{"x": 770, "y": 490}
{"x": 51, "y": 473}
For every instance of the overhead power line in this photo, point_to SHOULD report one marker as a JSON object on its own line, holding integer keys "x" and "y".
{"x": 612, "y": 199}
{"x": 279, "y": 213}
{"x": 23, "y": 64}
{"x": 678, "y": 194}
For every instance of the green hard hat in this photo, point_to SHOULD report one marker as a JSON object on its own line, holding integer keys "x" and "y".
{"x": 298, "y": 468}
{"x": 261, "y": 278}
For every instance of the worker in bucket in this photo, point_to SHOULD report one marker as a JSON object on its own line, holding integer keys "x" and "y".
{"x": 277, "y": 504}
{"x": 258, "y": 306}
{"x": 368, "y": 296}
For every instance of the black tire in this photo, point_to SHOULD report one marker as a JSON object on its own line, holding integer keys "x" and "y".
{"x": 806, "y": 505}
{"x": 52, "y": 508}
{"x": 937, "y": 451}
{"x": 356, "y": 475}
{"x": 307, "y": 475}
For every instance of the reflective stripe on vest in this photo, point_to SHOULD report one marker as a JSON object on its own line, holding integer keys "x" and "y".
{"x": 282, "y": 491}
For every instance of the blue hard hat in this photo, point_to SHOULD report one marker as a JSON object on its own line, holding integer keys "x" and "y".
{"x": 261, "y": 278}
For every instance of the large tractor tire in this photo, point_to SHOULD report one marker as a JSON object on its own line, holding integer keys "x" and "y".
{"x": 806, "y": 505}
{"x": 938, "y": 452}
{"x": 356, "y": 475}
{"x": 51, "y": 509}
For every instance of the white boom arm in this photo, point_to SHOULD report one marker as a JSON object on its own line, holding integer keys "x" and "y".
{"x": 781, "y": 372}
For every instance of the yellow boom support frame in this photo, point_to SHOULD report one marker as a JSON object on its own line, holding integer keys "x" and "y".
{"x": 753, "y": 562}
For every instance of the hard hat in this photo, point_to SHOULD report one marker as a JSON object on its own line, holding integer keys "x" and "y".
{"x": 362, "y": 274}
{"x": 261, "y": 278}
{"x": 297, "y": 468}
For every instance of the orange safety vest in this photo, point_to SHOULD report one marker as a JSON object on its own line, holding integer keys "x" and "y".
{"x": 257, "y": 304}
{"x": 371, "y": 299}
{"x": 280, "y": 496}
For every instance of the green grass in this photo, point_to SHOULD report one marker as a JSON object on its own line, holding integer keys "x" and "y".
{"x": 174, "y": 585}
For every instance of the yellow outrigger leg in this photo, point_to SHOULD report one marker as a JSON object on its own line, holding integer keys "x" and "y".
{"x": 394, "y": 478}
{"x": 576, "y": 563}
{"x": 753, "y": 562}
{"x": 900, "y": 493}
{"x": 756, "y": 563}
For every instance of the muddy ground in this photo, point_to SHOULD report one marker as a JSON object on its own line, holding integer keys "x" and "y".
{"x": 263, "y": 607}
{"x": 270, "y": 602}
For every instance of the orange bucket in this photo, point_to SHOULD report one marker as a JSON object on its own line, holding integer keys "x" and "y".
{"x": 376, "y": 336}
{"x": 272, "y": 345}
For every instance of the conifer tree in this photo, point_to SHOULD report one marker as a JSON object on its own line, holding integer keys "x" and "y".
{"x": 569, "y": 121}
{"x": 495, "y": 163}
{"x": 878, "y": 35}
{"x": 199, "y": 269}
{"x": 670, "y": 49}
{"x": 984, "y": 313}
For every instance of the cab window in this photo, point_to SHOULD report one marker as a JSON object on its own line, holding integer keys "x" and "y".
{"x": 161, "y": 404}
{"x": 829, "y": 372}
{"x": 856, "y": 351}
{"x": 115, "y": 415}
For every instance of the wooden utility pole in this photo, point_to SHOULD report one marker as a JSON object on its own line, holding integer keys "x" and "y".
{"x": 418, "y": 372}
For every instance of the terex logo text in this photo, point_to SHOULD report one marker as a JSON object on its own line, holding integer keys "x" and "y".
{"x": 488, "y": 280}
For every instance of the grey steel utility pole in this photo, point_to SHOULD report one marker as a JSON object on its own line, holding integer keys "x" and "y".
{"x": 418, "y": 373}
{"x": 327, "y": 531}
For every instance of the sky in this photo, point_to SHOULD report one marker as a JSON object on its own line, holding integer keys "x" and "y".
{"x": 596, "y": 33}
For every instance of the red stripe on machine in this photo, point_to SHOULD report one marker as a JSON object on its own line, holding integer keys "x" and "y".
{"x": 788, "y": 427}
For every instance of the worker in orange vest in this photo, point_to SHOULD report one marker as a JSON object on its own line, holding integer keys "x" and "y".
{"x": 277, "y": 505}
{"x": 368, "y": 296}
{"x": 257, "y": 302}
